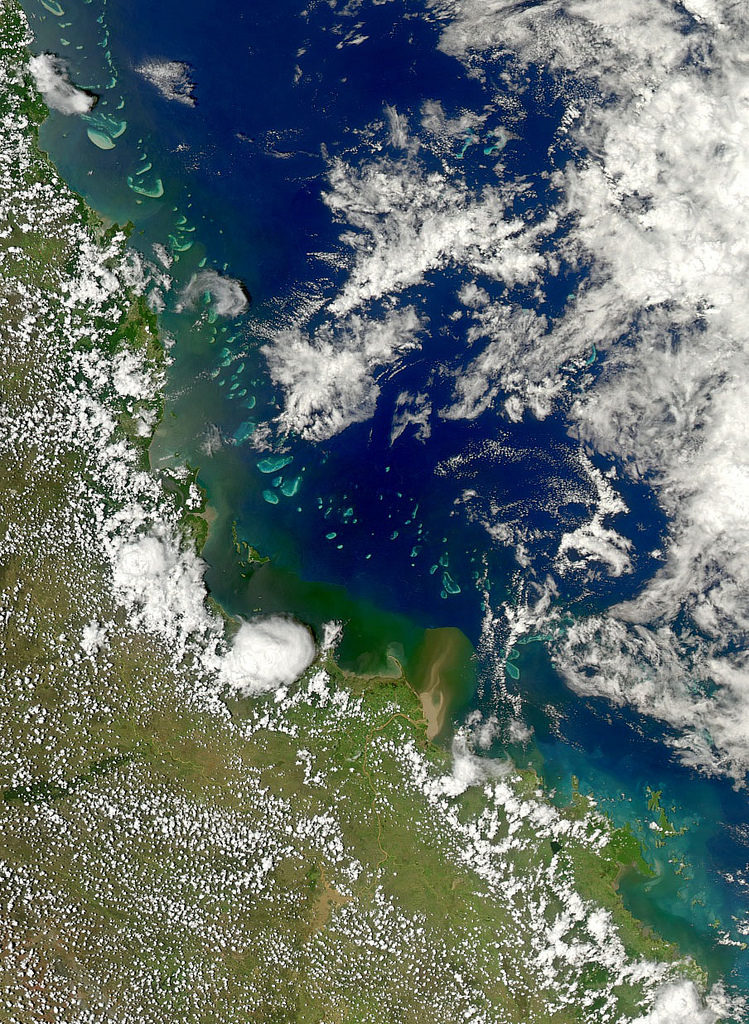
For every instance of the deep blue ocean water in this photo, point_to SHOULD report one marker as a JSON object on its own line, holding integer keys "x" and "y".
{"x": 243, "y": 173}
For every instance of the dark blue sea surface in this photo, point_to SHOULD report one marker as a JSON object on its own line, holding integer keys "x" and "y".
{"x": 374, "y": 533}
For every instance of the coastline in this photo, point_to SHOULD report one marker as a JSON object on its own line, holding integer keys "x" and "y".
{"x": 199, "y": 777}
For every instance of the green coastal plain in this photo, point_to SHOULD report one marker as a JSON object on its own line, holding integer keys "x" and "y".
{"x": 170, "y": 853}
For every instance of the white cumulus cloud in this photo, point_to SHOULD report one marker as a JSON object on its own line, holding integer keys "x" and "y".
{"x": 172, "y": 79}
{"x": 227, "y": 296}
{"x": 267, "y": 654}
{"x": 678, "y": 1002}
{"x": 468, "y": 769}
{"x": 329, "y": 378}
{"x": 52, "y": 79}
{"x": 655, "y": 203}
{"x": 409, "y": 222}
{"x": 161, "y": 584}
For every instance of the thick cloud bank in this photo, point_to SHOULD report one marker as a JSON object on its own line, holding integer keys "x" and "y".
{"x": 647, "y": 211}
{"x": 410, "y": 222}
{"x": 161, "y": 584}
{"x": 224, "y": 295}
{"x": 267, "y": 654}
{"x": 53, "y": 82}
{"x": 656, "y": 204}
{"x": 171, "y": 78}
{"x": 680, "y": 1003}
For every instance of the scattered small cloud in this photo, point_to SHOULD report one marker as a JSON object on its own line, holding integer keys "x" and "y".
{"x": 171, "y": 78}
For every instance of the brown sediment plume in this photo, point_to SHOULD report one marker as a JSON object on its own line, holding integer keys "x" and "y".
{"x": 433, "y": 702}
{"x": 208, "y": 513}
{"x": 440, "y": 672}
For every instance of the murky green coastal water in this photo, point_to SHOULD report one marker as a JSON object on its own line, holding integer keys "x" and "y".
{"x": 349, "y": 537}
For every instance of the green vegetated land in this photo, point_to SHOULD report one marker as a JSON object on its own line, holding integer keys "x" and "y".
{"x": 167, "y": 855}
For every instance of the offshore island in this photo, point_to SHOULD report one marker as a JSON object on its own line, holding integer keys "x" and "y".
{"x": 182, "y": 844}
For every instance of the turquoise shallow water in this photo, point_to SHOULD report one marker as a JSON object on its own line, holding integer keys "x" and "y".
{"x": 356, "y": 529}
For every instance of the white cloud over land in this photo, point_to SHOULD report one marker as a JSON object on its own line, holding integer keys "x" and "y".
{"x": 162, "y": 585}
{"x": 679, "y": 1002}
{"x": 267, "y": 654}
{"x": 52, "y": 79}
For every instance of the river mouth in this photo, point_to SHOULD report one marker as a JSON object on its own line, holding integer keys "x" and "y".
{"x": 319, "y": 567}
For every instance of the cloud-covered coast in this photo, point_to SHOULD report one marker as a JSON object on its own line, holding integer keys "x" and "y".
{"x": 52, "y": 77}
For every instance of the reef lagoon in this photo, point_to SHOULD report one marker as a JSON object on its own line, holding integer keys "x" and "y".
{"x": 315, "y": 191}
